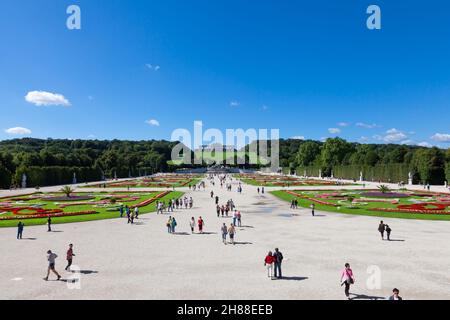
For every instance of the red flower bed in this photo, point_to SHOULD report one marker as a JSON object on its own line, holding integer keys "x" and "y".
{"x": 39, "y": 213}
{"x": 151, "y": 200}
{"x": 325, "y": 203}
{"x": 427, "y": 211}
{"x": 423, "y": 206}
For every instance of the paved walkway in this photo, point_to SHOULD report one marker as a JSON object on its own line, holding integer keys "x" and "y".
{"x": 120, "y": 261}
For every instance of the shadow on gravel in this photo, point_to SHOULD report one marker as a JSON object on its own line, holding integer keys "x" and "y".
{"x": 31, "y": 239}
{"x": 181, "y": 234}
{"x": 365, "y": 297}
{"x": 293, "y": 278}
{"x": 242, "y": 243}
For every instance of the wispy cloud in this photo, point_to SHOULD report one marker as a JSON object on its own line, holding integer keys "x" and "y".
{"x": 391, "y": 136}
{"x": 343, "y": 124}
{"x": 152, "y": 67}
{"x": 20, "y": 131}
{"x": 298, "y": 138}
{"x": 234, "y": 103}
{"x": 441, "y": 137}
{"x": 367, "y": 126}
{"x": 334, "y": 130}
{"x": 153, "y": 122}
{"x": 44, "y": 98}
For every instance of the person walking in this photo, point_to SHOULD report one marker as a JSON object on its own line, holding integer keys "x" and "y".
{"x": 234, "y": 217}
{"x": 121, "y": 211}
{"x": 20, "y": 227}
{"x": 268, "y": 263}
{"x": 201, "y": 224}
{"x": 395, "y": 295}
{"x": 313, "y": 208}
{"x": 278, "y": 259}
{"x": 388, "y": 232}
{"x": 239, "y": 219}
{"x": 347, "y": 279}
{"x": 192, "y": 224}
{"x": 232, "y": 232}
{"x": 49, "y": 224}
{"x": 174, "y": 224}
{"x": 51, "y": 258}
{"x": 132, "y": 216}
{"x": 224, "y": 231}
{"x": 69, "y": 257}
{"x": 136, "y": 212}
{"x": 169, "y": 225}
{"x": 218, "y": 211}
{"x": 381, "y": 229}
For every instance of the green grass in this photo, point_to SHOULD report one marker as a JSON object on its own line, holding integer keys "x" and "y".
{"x": 361, "y": 211}
{"x": 257, "y": 183}
{"x": 101, "y": 215}
{"x": 180, "y": 184}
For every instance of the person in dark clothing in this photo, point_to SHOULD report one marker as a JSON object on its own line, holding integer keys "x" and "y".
{"x": 278, "y": 259}
{"x": 388, "y": 232}
{"x": 395, "y": 295}
{"x": 49, "y": 224}
{"x": 70, "y": 256}
{"x": 20, "y": 230}
{"x": 313, "y": 208}
{"x": 381, "y": 229}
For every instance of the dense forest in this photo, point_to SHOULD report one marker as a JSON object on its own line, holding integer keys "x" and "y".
{"x": 52, "y": 161}
{"x": 49, "y": 162}
{"x": 377, "y": 161}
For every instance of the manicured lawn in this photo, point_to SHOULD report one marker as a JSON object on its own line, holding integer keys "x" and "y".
{"x": 362, "y": 210}
{"x": 103, "y": 213}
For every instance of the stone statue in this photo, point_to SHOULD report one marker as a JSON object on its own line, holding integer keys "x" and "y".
{"x": 410, "y": 179}
{"x": 361, "y": 178}
{"x": 74, "y": 180}
{"x": 320, "y": 173}
{"x": 24, "y": 181}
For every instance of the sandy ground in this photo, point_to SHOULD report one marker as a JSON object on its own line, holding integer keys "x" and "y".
{"x": 143, "y": 261}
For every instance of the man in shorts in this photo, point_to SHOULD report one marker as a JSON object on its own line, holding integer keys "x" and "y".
{"x": 51, "y": 257}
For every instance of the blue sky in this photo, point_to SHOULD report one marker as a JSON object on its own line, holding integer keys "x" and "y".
{"x": 310, "y": 68}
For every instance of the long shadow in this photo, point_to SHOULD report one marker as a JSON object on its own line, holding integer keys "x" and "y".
{"x": 249, "y": 227}
{"x": 242, "y": 243}
{"x": 319, "y": 215}
{"x": 84, "y": 271}
{"x": 365, "y": 297}
{"x": 181, "y": 233}
{"x": 138, "y": 223}
{"x": 294, "y": 278}
{"x": 397, "y": 240}
{"x": 56, "y": 231}
{"x": 206, "y": 233}
{"x": 31, "y": 239}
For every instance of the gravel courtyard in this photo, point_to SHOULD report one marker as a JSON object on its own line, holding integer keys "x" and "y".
{"x": 142, "y": 261}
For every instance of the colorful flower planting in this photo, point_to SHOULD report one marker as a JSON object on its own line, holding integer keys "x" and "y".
{"x": 282, "y": 181}
{"x": 161, "y": 181}
{"x": 36, "y": 208}
{"x": 400, "y": 204}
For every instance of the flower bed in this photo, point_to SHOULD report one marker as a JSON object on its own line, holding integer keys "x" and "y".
{"x": 375, "y": 194}
{"x": 312, "y": 199}
{"x": 54, "y": 215}
{"x": 151, "y": 200}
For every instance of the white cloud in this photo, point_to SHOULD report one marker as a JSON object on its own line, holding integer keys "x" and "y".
{"x": 234, "y": 104}
{"x": 298, "y": 138}
{"x": 343, "y": 124}
{"x": 363, "y": 139}
{"x": 18, "y": 131}
{"x": 43, "y": 98}
{"x": 366, "y": 125}
{"x": 153, "y": 122}
{"x": 91, "y": 136}
{"x": 441, "y": 137}
{"x": 425, "y": 144}
{"x": 152, "y": 67}
{"x": 394, "y": 135}
{"x": 334, "y": 130}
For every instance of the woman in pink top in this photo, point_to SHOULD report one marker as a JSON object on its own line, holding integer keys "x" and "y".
{"x": 347, "y": 279}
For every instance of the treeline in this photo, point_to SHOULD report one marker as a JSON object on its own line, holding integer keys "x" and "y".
{"x": 378, "y": 162}
{"x": 52, "y": 162}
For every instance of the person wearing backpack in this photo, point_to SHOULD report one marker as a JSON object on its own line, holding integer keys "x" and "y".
{"x": 278, "y": 259}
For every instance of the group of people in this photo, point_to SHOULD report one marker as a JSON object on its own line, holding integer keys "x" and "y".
{"x": 382, "y": 228}
{"x": 200, "y": 225}
{"x": 228, "y": 231}
{"x": 273, "y": 264}
{"x": 51, "y": 258}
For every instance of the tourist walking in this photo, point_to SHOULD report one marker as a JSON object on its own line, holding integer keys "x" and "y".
{"x": 174, "y": 224}
{"x": 232, "y": 232}
{"x": 192, "y": 224}
{"x": 20, "y": 227}
{"x": 388, "y": 232}
{"x": 395, "y": 295}
{"x": 347, "y": 279}
{"x": 136, "y": 212}
{"x": 239, "y": 219}
{"x": 49, "y": 224}
{"x": 69, "y": 257}
{"x": 218, "y": 211}
{"x": 313, "y": 207}
{"x": 278, "y": 259}
{"x": 51, "y": 258}
{"x": 381, "y": 229}
{"x": 169, "y": 225}
{"x": 201, "y": 224}
{"x": 268, "y": 263}
{"x": 121, "y": 211}
{"x": 224, "y": 231}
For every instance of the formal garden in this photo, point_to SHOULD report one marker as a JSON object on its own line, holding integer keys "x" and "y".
{"x": 161, "y": 181}
{"x": 67, "y": 206}
{"x": 380, "y": 202}
{"x": 283, "y": 181}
